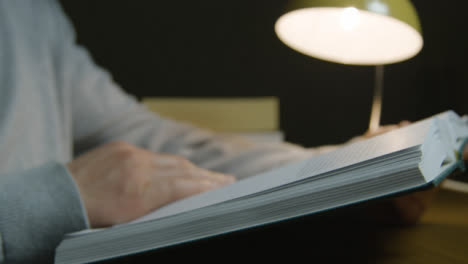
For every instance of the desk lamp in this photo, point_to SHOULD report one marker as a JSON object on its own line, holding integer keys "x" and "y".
{"x": 354, "y": 32}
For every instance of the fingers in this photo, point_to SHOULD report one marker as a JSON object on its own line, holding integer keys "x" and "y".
{"x": 465, "y": 153}
{"x": 181, "y": 167}
{"x": 404, "y": 123}
{"x": 380, "y": 130}
{"x": 185, "y": 187}
{"x": 119, "y": 182}
{"x": 180, "y": 178}
{"x": 217, "y": 178}
{"x": 411, "y": 207}
{"x": 386, "y": 128}
{"x": 194, "y": 180}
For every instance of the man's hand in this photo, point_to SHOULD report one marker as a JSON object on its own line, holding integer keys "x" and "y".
{"x": 119, "y": 182}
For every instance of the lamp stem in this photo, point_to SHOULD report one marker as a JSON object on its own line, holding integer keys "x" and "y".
{"x": 377, "y": 100}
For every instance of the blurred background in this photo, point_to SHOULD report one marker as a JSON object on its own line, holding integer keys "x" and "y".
{"x": 218, "y": 48}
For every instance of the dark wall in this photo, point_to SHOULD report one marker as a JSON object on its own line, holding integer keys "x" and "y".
{"x": 228, "y": 48}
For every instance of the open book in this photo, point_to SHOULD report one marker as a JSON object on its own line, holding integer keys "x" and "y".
{"x": 413, "y": 157}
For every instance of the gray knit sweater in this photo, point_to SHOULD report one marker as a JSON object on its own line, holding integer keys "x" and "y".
{"x": 56, "y": 103}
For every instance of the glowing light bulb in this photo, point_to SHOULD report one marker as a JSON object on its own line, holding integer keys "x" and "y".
{"x": 378, "y": 7}
{"x": 350, "y": 19}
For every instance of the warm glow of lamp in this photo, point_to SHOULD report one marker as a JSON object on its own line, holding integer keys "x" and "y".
{"x": 355, "y": 32}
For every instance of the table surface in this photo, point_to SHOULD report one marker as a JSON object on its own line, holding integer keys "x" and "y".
{"x": 440, "y": 237}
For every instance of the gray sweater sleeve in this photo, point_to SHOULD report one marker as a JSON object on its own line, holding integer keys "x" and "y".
{"x": 103, "y": 112}
{"x": 37, "y": 207}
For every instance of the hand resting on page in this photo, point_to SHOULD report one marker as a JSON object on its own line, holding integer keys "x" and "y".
{"x": 119, "y": 182}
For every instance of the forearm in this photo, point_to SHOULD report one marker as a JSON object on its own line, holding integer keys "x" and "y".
{"x": 102, "y": 112}
{"x": 234, "y": 155}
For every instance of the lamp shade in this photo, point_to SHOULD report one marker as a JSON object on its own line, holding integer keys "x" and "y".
{"x": 356, "y": 32}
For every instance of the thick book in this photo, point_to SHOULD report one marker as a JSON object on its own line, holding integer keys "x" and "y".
{"x": 417, "y": 156}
